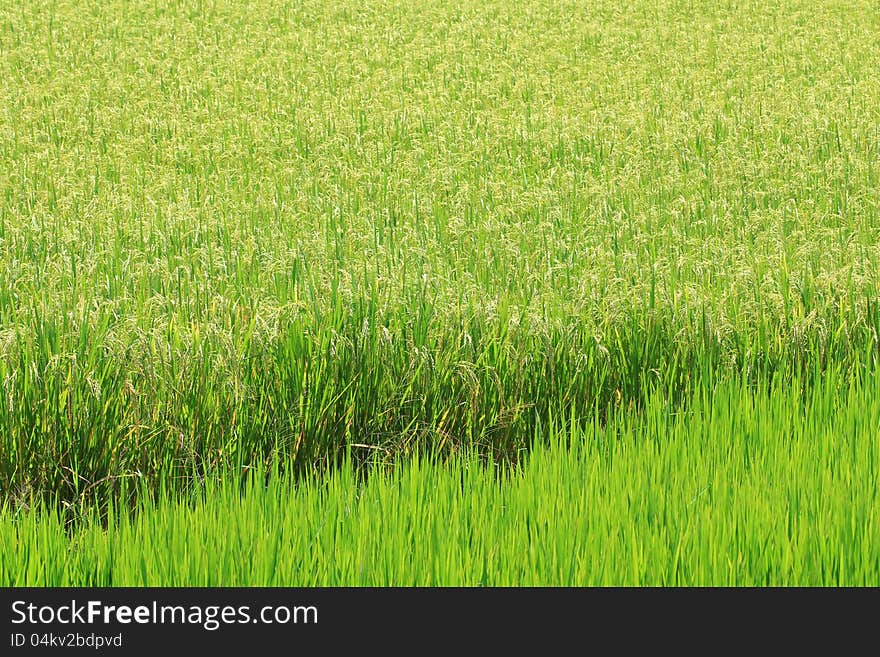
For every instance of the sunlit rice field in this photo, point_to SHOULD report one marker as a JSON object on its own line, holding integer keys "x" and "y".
{"x": 747, "y": 490}
{"x": 518, "y": 293}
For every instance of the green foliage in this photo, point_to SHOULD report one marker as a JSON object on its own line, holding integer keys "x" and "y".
{"x": 299, "y": 236}
{"x": 745, "y": 488}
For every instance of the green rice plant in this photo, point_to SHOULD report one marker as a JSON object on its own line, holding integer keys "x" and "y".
{"x": 292, "y": 237}
{"x": 743, "y": 488}
{"x": 83, "y": 429}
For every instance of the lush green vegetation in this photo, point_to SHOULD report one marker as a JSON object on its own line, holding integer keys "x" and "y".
{"x": 279, "y": 235}
{"x": 745, "y": 488}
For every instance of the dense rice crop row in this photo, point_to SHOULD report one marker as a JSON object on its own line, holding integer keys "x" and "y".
{"x": 745, "y": 488}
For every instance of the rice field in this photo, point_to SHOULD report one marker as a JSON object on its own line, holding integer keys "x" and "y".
{"x": 748, "y": 489}
{"x": 544, "y": 292}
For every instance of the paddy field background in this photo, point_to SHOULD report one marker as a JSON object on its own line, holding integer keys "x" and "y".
{"x": 479, "y": 293}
